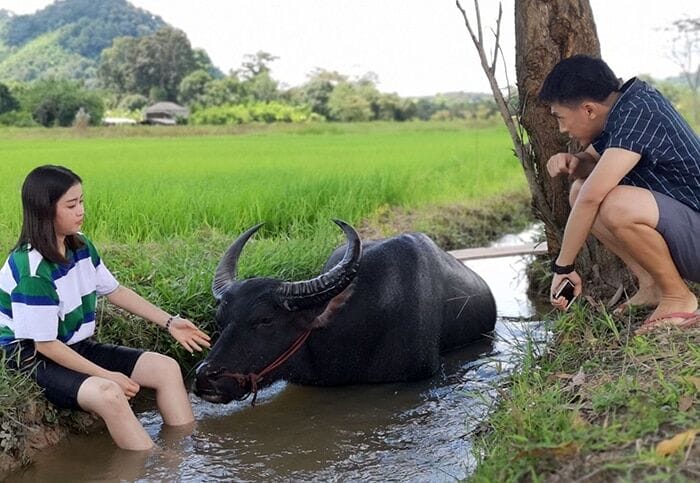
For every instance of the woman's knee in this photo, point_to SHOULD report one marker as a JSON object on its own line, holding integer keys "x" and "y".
{"x": 154, "y": 370}
{"x": 102, "y": 396}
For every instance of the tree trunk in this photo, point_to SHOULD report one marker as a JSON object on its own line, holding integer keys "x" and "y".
{"x": 547, "y": 31}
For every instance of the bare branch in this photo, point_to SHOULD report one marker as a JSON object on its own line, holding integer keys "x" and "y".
{"x": 469, "y": 27}
{"x": 505, "y": 71}
{"x": 503, "y": 107}
{"x": 478, "y": 22}
{"x": 498, "y": 37}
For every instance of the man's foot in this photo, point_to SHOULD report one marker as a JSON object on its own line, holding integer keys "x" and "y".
{"x": 645, "y": 297}
{"x": 680, "y": 312}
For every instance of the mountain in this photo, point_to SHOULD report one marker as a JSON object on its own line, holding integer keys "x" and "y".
{"x": 65, "y": 39}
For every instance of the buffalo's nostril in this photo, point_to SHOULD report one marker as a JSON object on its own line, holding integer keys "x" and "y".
{"x": 205, "y": 377}
{"x": 201, "y": 368}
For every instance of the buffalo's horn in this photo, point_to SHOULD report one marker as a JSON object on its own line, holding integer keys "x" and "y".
{"x": 226, "y": 271}
{"x": 309, "y": 293}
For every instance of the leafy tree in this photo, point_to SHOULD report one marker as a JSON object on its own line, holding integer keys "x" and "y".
{"x": 157, "y": 61}
{"x": 116, "y": 68}
{"x": 258, "y": 84}
{"x": 193, "y": 88}
{"x": 56, "y": 102}
{"x": 7, "y": 100}
{"x": 316, "y": 91}
{"x": 256, "y": 64}
{"x": 425, "y": 109}
{"x": 394, "y": 108}
{"x": 202, "y": 61}
{"x": 262, "y": 87}
{"x": 347, "y": 103}
{"x": 229, "y": 90}
{"x": 165, "y": 58}
{"x": 133, "y": 102}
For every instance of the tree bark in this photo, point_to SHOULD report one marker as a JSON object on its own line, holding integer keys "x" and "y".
{"x": 547, "y": 31}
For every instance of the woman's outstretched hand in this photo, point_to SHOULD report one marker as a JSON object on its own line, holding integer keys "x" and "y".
{"x": 188, "y": 335}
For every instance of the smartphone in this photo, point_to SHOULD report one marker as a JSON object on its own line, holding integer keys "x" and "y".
{"x": 566, "y": 290}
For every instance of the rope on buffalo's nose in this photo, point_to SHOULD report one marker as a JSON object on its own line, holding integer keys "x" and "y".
{"x": 254, "y": 378}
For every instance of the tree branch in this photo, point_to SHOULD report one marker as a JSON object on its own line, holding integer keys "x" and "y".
{"x": 478, "y": 22}
{"x": 498, "y": 36}
{"x": 503, "y": 108}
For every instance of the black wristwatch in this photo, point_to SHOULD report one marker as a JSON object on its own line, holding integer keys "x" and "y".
{"x": 562, "y": 270}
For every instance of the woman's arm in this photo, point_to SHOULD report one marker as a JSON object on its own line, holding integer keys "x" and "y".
{"x": 133, "y": 303}
{"x": 184, "y": 331}
{"x": 64, "y": 356}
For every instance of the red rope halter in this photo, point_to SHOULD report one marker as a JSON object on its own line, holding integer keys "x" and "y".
{"x": 254, "y": 378}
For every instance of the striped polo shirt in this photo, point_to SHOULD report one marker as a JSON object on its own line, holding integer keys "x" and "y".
{"x": 46, "y": 301}
{"x": 645, "y": 122}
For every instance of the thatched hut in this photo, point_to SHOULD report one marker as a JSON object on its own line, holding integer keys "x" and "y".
{"x": 166, "y": 113}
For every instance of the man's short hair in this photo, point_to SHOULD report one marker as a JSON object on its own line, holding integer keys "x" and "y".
{"x": 579, "y": 78}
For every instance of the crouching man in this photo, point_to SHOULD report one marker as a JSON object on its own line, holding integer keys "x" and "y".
{"x": 636, "y": 186}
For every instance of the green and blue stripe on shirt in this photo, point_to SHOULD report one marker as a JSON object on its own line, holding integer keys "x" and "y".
{"x": 41, "y": 300}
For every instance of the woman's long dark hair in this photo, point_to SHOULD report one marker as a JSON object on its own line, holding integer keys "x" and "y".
{"x": 42, "y": 189}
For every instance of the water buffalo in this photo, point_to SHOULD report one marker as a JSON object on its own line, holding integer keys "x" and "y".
{"x": 384, "y": 312}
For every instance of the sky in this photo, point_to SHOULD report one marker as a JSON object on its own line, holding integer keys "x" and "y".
{"x": 416, "y": 47}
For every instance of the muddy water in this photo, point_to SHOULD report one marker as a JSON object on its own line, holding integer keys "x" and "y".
{"x": 418, "y": 431}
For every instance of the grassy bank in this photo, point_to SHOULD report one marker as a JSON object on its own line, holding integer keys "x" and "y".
{"x": 163, "y": 209}
{"x": 601, "y": 404}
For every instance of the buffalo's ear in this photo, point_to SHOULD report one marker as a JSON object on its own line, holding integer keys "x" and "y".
{"x": 333, "y": 307}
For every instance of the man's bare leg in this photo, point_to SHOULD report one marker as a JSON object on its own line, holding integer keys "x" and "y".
{"x": 648, "y": 293}
{"x": 630, "y": 215}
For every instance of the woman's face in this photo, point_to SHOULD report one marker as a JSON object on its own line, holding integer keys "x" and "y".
{"x": 69, "y": 212}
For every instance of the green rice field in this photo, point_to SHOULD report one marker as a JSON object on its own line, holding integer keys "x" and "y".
{"x": 155, "y": 188}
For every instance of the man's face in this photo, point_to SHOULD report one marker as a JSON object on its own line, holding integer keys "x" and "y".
{"x": 582, "y": 122}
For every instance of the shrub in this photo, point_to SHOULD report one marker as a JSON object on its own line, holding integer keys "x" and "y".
{"x": 18, "y": 119}
{"x": 267, "y": 112}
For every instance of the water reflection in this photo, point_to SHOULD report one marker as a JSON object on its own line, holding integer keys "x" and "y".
{"x": 417, "y": 431}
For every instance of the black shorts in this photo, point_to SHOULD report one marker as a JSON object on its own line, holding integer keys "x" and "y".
{"x": 679, "y": 224}
{"x": 60, "y": 384}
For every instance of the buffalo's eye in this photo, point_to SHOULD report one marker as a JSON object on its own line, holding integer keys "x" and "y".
{"x": 264, "y": 322}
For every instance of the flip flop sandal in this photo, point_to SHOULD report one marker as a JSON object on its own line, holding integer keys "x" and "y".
{"x": 689, "y": 319}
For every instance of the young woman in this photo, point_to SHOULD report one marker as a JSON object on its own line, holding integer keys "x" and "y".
{"x": 48, "y": 290}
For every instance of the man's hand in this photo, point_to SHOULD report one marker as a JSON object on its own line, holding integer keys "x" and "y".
{"x": 562, "y": 163}
{"x": 561, "y": 303}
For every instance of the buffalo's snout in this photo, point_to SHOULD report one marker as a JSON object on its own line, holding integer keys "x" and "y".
{"x": 211, "y": 384}
{"x": 205, "y": 382}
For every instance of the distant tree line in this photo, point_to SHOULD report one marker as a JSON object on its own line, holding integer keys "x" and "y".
{"x": 137, "y": 71}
